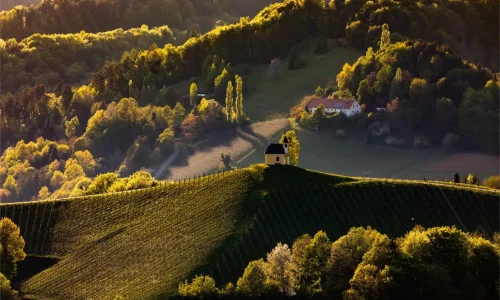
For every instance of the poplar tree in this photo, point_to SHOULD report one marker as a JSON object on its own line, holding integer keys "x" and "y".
{"x": 229, "y": 102}
{"x": 239, "y": 98}
{"x": 193, "y": 92}
{"x": 385, "y": 38}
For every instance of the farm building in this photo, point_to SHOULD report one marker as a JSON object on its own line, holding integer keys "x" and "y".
{"x": 347, "y": 106}
{"x": 277, "y": 154}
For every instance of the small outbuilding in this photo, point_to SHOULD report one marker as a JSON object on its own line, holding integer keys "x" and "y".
{"x": 277, "y": 154}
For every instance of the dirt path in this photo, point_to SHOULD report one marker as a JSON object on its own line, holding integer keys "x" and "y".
{"x": 167, "y": 162}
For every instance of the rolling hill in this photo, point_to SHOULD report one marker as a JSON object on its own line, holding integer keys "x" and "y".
{"x": 141, "y": 244}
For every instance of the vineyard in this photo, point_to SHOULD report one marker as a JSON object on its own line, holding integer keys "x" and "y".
{"x": 141, "y": 244}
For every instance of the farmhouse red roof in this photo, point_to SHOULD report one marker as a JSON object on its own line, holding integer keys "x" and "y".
{"x": 331, "y": 103}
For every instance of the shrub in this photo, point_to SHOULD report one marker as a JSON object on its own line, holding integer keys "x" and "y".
{"x": 6, "y": 292}
{"x": 492, "y": 182}
{"x": 201, "y": 286}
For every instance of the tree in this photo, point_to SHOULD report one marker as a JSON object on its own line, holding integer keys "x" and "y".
{"x": 456, "y": 178}
{"x": 11, "y": 247}
{"x": 239, "y": 99}
{"x": 225, "y": 160}
{"x": 397, "y": 85}
{"x": 364, "y": 92}
{"x": 298, "y": 251}
{"x": 385, "y": 38}
{"x": 44, "y": 193}
{"x": 73, "y": 171}
{"x": 314, "y": 264}
{"x": 274, "y": 68}
{"x": 194, "y": 33}
{"x": 472, "y": 179}
{"x": 102, "y": 183}
{"x": 166, "y": 96}
{"x": 200, "y": 287}
{"x": 318, "y": 115}
{"x": 346, "y": 253}
{"x": 221, "y": 83}
{"x": 229, "y": 103}
{"x": 191, "y": 126}
{"x": 383, "y": 79}
{"x": 320, "y": 92}
{"x": 6, "y": 292}
{"x": 193, "y": 93}
{"x": 179, "y": 112}
{"x": 280, "y": 269}
{"x": 166, "y": 141}
{"x": 254, "y": 282}
{"x": 492, "y": 182}
{"x": 293, "y": 146}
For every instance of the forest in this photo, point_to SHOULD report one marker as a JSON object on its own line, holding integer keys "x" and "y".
{"x": 71, "y": 58}
{"x": 96, "y": 16}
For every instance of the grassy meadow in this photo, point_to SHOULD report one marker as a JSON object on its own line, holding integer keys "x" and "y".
{"x": 272, "y": 98}
{"x": 142, "y": 244}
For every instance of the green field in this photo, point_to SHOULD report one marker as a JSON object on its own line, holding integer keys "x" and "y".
{"x": 141, "y": 244}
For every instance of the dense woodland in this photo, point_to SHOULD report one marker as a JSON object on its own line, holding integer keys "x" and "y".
{"x": 67, "y": 16}
{"x": 435, "y": 263}
{"x": 71, "y": 58}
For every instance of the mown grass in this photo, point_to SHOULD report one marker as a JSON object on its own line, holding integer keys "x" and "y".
{"x": 142, "y": 244}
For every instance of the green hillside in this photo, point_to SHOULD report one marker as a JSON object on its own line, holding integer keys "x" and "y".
{"x": 141, "y": 244}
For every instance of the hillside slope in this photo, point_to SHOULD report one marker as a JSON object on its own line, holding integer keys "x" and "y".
{"x": 143, "y": 243}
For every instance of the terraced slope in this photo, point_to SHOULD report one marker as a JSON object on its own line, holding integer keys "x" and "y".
{"x": 142, "y": 244}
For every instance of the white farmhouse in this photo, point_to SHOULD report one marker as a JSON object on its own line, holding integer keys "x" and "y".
{"x": 347, "y": 106}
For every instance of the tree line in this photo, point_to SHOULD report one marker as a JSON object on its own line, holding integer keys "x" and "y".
{"x": 71, "y": 58}
{"x": 64, "y": 16}
{"x": 434, "y": 263}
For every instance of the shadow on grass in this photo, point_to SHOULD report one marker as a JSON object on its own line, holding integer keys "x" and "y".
{"x": 31, "y": 266}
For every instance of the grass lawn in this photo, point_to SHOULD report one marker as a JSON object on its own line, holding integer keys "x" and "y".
{"x": 272, "y": 98}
